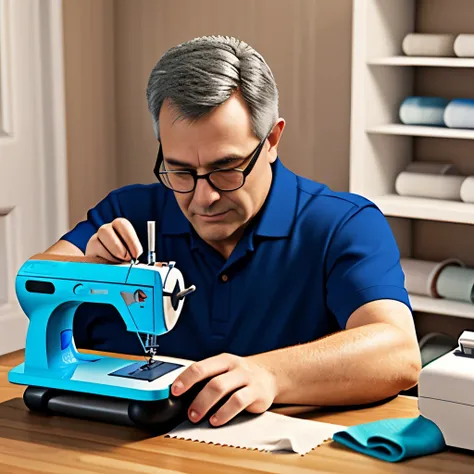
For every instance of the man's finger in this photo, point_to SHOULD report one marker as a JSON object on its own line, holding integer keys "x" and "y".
{"x": 214, "y": 391}
{"x": 109, "y": 239}
{"x": 96, "y": 249}
{"x": 237, "y": 403}
{"x": 201, "y": 370}
{"x": 128, "y": 236}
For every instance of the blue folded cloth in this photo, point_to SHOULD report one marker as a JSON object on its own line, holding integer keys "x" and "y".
{"x": 393, "y": 439}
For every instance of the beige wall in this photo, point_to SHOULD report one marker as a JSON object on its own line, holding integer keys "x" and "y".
{"x": 90, "y": 102}
{"x": 306, "y": 43}
{"x": 111, "y": 48}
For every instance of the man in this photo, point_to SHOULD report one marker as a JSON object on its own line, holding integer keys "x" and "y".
{"x": 300, "y": 294}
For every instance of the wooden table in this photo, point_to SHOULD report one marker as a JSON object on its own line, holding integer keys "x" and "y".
{"x": 36, "y": 443}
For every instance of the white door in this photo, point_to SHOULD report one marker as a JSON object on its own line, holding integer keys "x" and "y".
{"x": 32, "y": 157}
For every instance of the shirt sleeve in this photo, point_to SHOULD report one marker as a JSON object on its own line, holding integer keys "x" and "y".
{"x": 104, "y": 212}
{"x": 363, "y": 264}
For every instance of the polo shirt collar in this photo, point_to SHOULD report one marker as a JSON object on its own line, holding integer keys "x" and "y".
{"x": 279, "y": 209}
{"x": 277, "y": 214}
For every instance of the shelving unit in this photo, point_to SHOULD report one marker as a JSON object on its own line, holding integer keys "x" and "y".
{"x": 441, "y": 306}
{"x": 421, "y": 131}
{"x": 421, "y": 61}
{"x": 394, "y": 205}
{"x": 381, "y": 147}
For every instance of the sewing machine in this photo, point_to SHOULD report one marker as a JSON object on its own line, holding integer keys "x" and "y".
{"x": 445, "y": 396}
{"x": 62, "y": 380}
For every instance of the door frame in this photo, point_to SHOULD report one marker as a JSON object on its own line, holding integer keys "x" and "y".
{"x": 51, "y": 140}
{"x": 53, "y": 113}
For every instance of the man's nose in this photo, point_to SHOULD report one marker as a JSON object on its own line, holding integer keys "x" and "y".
{"x": 204, "y": 194}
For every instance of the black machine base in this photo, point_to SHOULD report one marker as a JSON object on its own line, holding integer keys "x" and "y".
{"x": 157, "y": 417}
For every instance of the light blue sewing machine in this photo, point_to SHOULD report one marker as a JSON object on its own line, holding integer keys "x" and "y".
{"x": 62, "y": 380}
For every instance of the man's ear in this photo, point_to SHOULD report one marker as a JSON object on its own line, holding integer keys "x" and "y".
{"x": 274, "y": 139}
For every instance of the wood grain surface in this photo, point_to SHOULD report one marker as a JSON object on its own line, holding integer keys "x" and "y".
{"x": 33, "y": 443}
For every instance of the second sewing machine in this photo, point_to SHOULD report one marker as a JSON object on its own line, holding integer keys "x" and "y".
{"x": 60, "y": 379}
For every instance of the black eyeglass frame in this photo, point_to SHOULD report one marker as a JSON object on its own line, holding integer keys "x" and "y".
{"x": 245, "y": 172}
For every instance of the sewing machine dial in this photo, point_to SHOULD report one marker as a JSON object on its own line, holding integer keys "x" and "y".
{"x": 172, "y": 306}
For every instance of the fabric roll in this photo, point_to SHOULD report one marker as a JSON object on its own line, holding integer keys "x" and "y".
{"x": 416, "y": 110}
{"x": 421, "y": 275}
{"x": 467, "y": 189}
{"x": 464, "y": 46}
{"x": 432, "y": 167}
{"x": 427, "y": 44}
{"x": 435, "y": 186}
{"x": 456, "y": 283}
{"x": 459, "y": 113}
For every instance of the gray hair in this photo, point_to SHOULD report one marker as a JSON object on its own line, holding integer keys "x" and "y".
{"x": 199, "y": 75}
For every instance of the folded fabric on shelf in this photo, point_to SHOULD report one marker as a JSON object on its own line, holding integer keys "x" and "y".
{"x": 459, "y": 113}
{"x": 428, "y": 44}
{"x": 456, "y": 283}
{"x": 421, "y": 275}
{"x": 432, "y": 167}
{"x": 428, "y": 185}
{"x": 418, "y": 110}
{"x": 464, "y": 46}
{"x": 467, "y": 189}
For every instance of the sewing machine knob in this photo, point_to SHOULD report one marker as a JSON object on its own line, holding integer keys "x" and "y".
{"x": 139, "y": 296}
{"x": 80, "y": 289}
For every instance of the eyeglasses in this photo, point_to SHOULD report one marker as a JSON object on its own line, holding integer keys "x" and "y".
{"x": 184, "y": 181}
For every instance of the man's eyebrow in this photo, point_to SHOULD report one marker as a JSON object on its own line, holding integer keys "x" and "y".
{"x": 219, "y": 161}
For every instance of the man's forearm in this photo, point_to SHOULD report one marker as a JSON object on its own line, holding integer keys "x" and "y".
{"x": 354, "y": 366}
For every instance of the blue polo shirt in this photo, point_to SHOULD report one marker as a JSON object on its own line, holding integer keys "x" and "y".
{"x": 306, "y": 262}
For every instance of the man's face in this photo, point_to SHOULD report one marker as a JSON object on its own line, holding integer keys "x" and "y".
{"x": 221, "y": 139}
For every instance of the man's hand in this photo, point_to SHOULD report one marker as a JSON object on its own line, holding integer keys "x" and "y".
{"x": 254, "y": 387}
{"x": 116, "y": 242}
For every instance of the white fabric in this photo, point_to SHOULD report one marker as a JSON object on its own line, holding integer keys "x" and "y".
{"x": 265, "y": 432}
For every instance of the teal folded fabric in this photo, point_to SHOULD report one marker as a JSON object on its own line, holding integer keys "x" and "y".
{"x": 394, "y": 439}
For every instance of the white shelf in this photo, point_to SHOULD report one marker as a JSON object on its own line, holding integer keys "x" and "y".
{"x": 422, "y": 131}
{"x": 422, "y": 61}
{"x": 423, "y": 208}
{"x": 426, "y": 304}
